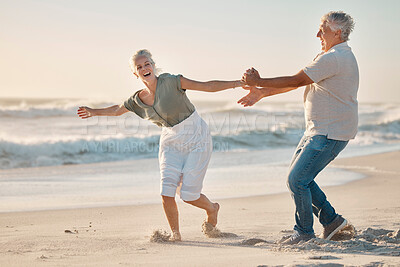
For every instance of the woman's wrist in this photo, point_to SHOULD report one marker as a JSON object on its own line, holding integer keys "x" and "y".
{"x": 237, "y": 83}
{"x": 94, "y": 112}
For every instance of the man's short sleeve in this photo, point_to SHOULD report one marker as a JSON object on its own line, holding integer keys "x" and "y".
{"x": 322, "y": 67}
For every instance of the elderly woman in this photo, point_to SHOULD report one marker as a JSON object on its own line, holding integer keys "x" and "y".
{"x": 185, "y": 142}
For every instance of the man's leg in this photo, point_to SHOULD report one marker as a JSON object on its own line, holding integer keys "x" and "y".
{"x": 321, "y": 206}
{"x": 322, "y": 209}
{"x": 314, "y": 156}
{"x": 298, "y": 150}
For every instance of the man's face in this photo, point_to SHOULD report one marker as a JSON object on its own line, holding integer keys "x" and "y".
{"x": 328, "y": 37}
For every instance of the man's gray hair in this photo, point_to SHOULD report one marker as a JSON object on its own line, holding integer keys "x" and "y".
{"x": 338, "y": 20}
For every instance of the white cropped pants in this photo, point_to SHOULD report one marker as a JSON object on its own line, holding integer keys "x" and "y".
{"x": 185, "y": 151}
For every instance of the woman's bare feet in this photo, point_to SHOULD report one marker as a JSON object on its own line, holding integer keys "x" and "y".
{"x": 176, "y": 237}
{"x": 212, "y": 216}
{"x": 211, "y": 208}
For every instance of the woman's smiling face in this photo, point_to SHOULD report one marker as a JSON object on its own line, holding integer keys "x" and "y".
{"x": 144, "y": 69}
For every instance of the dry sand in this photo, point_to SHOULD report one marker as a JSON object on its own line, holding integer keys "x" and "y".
{"x": 250, "y": 227}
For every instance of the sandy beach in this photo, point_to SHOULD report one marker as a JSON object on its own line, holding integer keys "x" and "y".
{"x": 120, "y": 236}
{"x": 106, "y": 105}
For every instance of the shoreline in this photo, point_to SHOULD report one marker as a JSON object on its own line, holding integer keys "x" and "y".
{"x": 136, "y": 182}
{"x": 120, "y": 235}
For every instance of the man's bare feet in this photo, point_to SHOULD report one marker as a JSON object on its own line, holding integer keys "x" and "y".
{"x": 176, "y": 237}
{"x": 212, "y": 216}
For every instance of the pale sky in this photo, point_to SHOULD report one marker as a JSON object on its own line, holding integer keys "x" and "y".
{"x": 81, "y": 48}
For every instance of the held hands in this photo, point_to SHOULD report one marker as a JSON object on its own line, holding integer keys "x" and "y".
{"x": 85, "y": 112}
{"x": 249, "y": 82}
{"x": 251, "y": 77}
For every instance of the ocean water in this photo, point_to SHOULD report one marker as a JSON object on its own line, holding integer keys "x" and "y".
{"x": 50, "y": 158}
{"x": 48, "y": 132}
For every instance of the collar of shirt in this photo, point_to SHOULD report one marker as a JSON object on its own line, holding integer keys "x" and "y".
{"x": 341, "y": 45}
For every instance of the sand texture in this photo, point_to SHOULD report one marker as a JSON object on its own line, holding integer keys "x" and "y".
{"x": 247, "y": 233}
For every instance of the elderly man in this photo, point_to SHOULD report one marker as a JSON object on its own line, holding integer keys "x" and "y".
{"x": 330, "y": 103}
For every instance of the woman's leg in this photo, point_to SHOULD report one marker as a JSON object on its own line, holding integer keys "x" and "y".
{"x": 211, "y": 208}
{"x": 194, "y": 171}
{"x": 171, "y": 211}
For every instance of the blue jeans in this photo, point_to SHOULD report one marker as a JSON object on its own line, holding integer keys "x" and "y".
{"x": 312, "y": 155}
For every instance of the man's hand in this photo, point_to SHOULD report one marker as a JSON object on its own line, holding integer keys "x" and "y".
{"x": 251, "y": 77}
{"x": 252, "y": 97}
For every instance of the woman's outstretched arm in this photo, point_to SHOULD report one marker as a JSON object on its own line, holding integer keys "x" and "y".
{"x": 116, "y": 110}
{"x": 209, "y": 86}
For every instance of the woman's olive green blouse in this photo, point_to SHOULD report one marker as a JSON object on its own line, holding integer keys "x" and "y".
{"x": 171, "y": 105}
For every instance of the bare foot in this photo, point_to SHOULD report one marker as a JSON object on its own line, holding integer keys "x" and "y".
{"x": 212, "y": 217}
{"x": 176, "y": 237}
{"x": 211, "y": 231}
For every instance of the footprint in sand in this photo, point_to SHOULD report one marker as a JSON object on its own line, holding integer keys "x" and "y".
{"x": 322, "y": 257}
{"x": 253, "y": 241}
{"x": 71, "y": 232}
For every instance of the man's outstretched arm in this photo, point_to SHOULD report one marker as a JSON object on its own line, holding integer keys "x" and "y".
{"x": 270, "y": 86}
{"x": 252, "y": 78}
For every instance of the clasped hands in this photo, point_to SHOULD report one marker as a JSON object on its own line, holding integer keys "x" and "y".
{"x": 249, "y": 81}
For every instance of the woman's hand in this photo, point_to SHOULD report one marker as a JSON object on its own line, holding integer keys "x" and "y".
{"x": 251, "y": 77}
{"x": 85, "y": 112}
{"x": 252, "y": 97}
